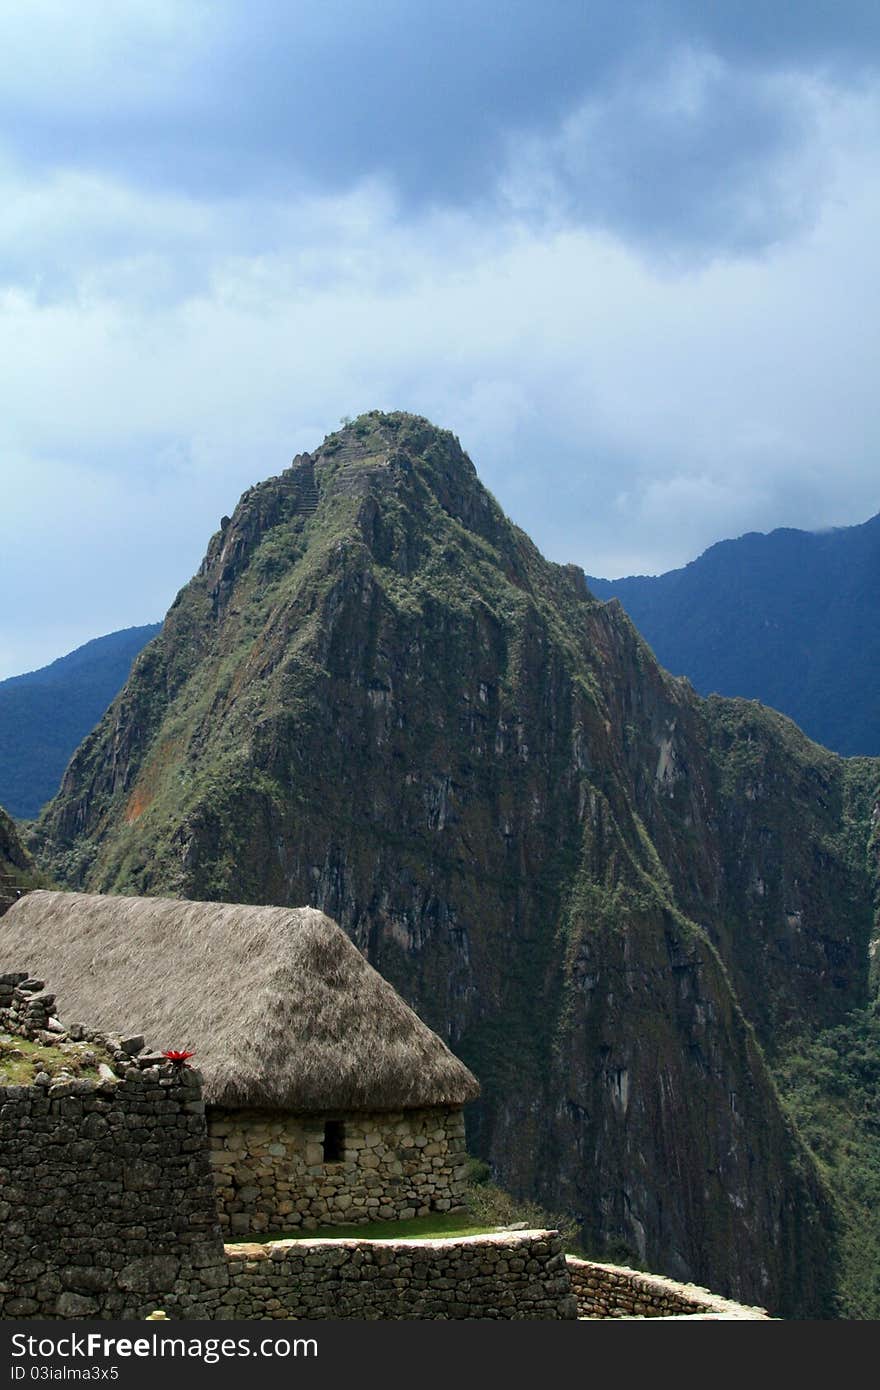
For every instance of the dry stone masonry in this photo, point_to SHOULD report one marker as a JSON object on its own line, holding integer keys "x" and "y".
{"x": 106, "y": 1200}
{"x": 512, "y": 1275}
{"x": 613, "y": 1291}
{"x": 274, "y": 1172}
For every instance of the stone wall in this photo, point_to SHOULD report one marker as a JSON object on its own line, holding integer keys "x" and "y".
{"x": 613, "y": 1291}
{"x": 107, "y": 1204}
{"x": 272, "y": 1174}
{"x": 519, "y": 1274}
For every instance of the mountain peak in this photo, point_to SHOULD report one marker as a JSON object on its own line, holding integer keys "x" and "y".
{"x": 388, "y": 429}
{"x": 378, "y": 478}
{"x": 379, "y": 699}
{"x": 382, "y": 446}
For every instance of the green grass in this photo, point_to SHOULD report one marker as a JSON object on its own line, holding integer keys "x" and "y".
{"x": 435, "y": 1226}
{"x": 21, "y": 1059}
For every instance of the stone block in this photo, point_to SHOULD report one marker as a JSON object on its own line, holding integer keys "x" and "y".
{"x": 75, "y": 1305}
{"x": 149, "y": 1273}
{"x": 21, "y": 1308}
{"x": 87, "y": 1279}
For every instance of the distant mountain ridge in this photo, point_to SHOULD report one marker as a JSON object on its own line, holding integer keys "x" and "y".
{"x": 789, "y": 618}
{"x": 45, "y": 714}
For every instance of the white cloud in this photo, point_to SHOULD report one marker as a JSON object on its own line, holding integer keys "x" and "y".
{"x": 161, "y": 353}
{"x": 684, "y": 155}
{"x": 98, "y": 56}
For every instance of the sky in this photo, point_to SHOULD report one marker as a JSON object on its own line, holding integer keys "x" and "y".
{"x": 626, "y": 250}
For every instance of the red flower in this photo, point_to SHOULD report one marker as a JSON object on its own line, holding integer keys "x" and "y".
{"x": 178, "y": 1058}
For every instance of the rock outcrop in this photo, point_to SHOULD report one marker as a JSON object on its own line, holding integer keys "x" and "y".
{"x": 16, "y": 865}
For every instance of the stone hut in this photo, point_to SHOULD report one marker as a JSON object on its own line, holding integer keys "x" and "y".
{"x": 329, "y": 1101}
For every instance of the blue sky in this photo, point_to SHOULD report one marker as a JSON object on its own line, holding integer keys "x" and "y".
{"x": 628, "y": 252}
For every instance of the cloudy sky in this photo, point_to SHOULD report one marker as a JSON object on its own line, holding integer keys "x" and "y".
{"x": 628, "y": 251}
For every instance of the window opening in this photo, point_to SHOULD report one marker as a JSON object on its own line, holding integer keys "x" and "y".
{"x": 334, "y": 1141}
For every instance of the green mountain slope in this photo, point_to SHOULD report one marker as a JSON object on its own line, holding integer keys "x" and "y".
{"x": 789, "y": 618}
{"x": 46, "y": 714}
{"x": 608, "y": 895}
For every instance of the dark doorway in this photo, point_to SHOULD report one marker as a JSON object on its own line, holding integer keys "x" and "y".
{"x": 334, "y": 1141}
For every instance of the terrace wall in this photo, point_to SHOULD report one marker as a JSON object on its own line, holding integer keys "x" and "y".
{"x": 613, "y": 1291}
{"x": 511, "y": 1275}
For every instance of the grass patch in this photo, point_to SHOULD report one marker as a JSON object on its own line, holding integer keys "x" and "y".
{"x": 496, "y": 1207}
{"x": 435, "y": 1226}
{"x": 21, "y": 1060}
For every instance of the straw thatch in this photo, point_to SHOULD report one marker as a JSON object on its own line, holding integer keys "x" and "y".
{"x": 280, "y": 1008}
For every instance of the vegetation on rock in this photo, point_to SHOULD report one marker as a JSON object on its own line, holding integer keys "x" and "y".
{"x": 22, "y": 1060}
{"x": 832, "y": 1086}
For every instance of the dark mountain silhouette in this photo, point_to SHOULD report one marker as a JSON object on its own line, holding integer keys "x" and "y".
{"x": 790, "y": 618}
{"x": 46, "y": 714}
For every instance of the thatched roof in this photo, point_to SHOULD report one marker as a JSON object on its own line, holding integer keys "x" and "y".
{"x": 279, "y": 1006}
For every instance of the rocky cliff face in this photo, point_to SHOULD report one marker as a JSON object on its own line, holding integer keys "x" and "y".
{"x": 14, "y": 858}
{"x": 16, "y": 865}
{"x": 609, "y": 896}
